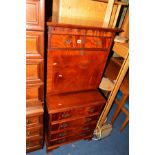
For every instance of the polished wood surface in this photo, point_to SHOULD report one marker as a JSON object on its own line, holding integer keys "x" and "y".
{"x": 65, "y": 68}
{"x": 35, "y": 14}
{"x": 76, "y": 52}
{"x": 34, "y": 74}
{"x": 72, "y": 100}
{"x": 35, "y": 44}
{"x": 76, "y": 59}
{"x": 72, "y": 116}
{"x": 83, "y": 13}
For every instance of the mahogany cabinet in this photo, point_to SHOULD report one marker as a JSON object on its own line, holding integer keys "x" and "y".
{"x": 76, "y": 58}
{"x": 34, "y": 74}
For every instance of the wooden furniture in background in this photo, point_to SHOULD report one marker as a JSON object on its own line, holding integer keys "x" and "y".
{"x": 122, "y": 103}
{"x": 76, "y": 60}
{"x": 34, "y": 74}
{"x": 121, "y": 49}
{"x": 111, "y": 72}
{"x": 87, "y": 12}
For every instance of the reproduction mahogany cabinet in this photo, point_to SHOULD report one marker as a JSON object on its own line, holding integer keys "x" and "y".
{"x": 76, "y": 58}
{"x": 34, "y": 74}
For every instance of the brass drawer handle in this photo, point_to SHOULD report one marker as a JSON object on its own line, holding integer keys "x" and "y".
{"x": 27, "y": 121}
{"x": 65, "y": 115}
{"x": 61, "y": 141}
{"x": 28, "y": 133}
{"x": 86, "y": 128}
{"x": 91, "y": 110}
{"x": 62, "y": 134}
{"x": 82, "y": 134}
{"x": 64, "y": 125}
{"x": 88, "y": 119}
{"x": 68, "y": 41}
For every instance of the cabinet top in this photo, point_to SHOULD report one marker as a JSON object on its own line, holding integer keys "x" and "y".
{"x": 73, "y": 100}
{"x": 49, "y": 23}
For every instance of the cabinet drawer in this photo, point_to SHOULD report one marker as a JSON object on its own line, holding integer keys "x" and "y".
{"x": 34, "y": 121}
{"x": 76, "y": 112}
{"x": 73, "y": 123}
{"x": 60, "y": 135}
{"x": 98, "y": 42}
{"x": 78, "y": 135}
{"x": 34, "y": 91}
{"x": 34, "y": 132}
{"x": 93, "y": 42}
{"x": 93, "y": 109}
{"x": 35, "y": 14}
{"x": 34, "y": 71}
{"x": 33, "y": 144}
{"x": 72, "y": 131}
{"x": 63, "y": 115}
{"x": 66, "y": 41}
{"x": 34, "y": 44}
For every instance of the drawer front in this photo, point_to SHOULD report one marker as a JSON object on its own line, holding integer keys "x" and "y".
{"x": 34, "y": 71}
{"x": 33, "y": 144}
{"x": 64, "y": 69}
{"x": 34, "y": 44}
{"x": 60, "y": 135}
{"x": 98, "y": 42}
{"x": 80, "y": 128}
{"x": 34, "y": 132}
{"x": 93, "y": 42}
{"x": 34, "y": 121}
{"x": 93, "y": 109}
{"x": 34, "y": 92}
{"x": 73, "y": 123}
{"x": 66, "y": 41}
{"x": 35, "y": 14}
{"x": 77, "y": 112}
{"x": 63, "y": 115}
{"x": 78, "y": 135}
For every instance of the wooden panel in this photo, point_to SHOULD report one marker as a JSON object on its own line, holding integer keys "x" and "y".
{"x": 75, "y": 123}
{"x": 34, "y": 44}
{"x": 34, "y": 132}
{"x": 34, "y": 92}
{"x": 70, "y": 11}
{"x": 34, "y": 120}
{"x": 34, "y": 71}
{"x": 64, "y": 69}
{"x": 34, "y": 144}
{"x": 35, "y": 14}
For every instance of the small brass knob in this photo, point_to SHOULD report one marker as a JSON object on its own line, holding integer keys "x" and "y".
{"x": 55, "y": 63}
{"x": 60, "y": 75}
